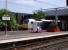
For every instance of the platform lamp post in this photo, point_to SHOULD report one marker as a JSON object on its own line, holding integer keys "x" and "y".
{"x": 66, "y": 2}
{"x": 56, "y": 15}
{"x": 6, "y": 17}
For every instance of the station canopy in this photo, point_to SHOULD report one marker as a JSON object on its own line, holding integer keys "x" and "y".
{"x": 61, "y": 11}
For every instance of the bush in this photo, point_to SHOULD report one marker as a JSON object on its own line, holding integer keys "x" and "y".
{"x": 39, "y": 14}
{"x": 12, "y": 23}
{"x": 53, "y": 25}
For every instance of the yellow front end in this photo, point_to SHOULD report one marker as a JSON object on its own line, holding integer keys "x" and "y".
{"x": 23, "y": 26}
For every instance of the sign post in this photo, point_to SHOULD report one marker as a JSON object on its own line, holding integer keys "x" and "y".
{"x": 6, "y": 18}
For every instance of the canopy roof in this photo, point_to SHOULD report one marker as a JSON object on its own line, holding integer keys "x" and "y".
{"x": 60, "y": 11}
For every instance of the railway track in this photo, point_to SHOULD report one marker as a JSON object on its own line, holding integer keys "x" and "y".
{"x": 52, "y": 43}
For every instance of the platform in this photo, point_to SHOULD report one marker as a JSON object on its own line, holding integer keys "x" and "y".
{"x": 14, "y": 36}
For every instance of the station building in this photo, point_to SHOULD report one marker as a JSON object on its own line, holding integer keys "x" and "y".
{"x": 62, "y": 15}
{"x": 22, "y": 16}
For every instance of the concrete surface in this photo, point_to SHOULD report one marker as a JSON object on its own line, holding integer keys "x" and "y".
{"x": 13, "y": 36}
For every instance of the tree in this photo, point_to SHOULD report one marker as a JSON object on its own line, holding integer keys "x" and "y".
{"x": 12, "y": 23}
{"x": 39, "y": 14}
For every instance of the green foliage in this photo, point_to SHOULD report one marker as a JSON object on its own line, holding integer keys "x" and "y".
{"x": 53, "y": 25}
{"x": 12, "y": 23}
{"x": 39, "y": 15}
{"x": 1, "y": 25}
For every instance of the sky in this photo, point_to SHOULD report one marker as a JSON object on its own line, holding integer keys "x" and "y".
{"x": 29, "y": 6}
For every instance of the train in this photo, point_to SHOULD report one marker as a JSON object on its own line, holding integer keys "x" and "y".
{"x": 32, "y": 23}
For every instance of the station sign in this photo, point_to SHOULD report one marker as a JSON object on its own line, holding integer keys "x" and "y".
{"x": 5, "y": 18}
